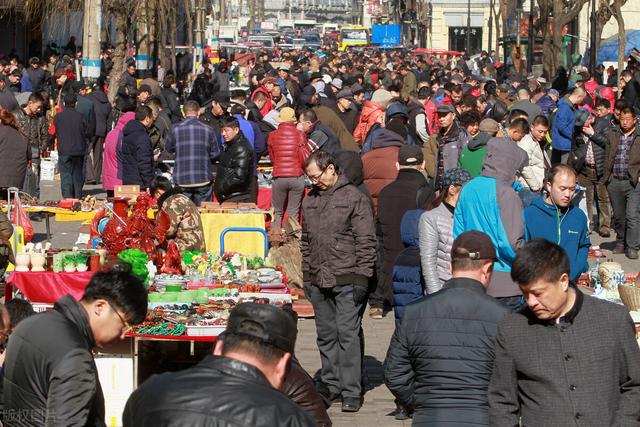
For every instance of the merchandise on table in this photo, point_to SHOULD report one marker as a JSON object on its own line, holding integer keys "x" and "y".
{"x": 201, "y": 300}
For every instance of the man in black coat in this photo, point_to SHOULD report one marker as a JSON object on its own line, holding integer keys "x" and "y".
{"x": 102, "y": 109}
{"x": 50, "y": 374}
{"x": 71, "y": 131}
{"x": 235, "y": 172}
{"x": 566, "y": 358}
{"x": 394, "y": 200}
{"x": 440, "y": 358}
{"x": 236, "y": 386}
{"x": 137, "y": 155}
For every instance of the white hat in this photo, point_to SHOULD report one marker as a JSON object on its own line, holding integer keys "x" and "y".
{"x": 337, "y": 83}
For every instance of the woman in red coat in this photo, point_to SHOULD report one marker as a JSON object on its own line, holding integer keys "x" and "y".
{"x": 288, "y": 149}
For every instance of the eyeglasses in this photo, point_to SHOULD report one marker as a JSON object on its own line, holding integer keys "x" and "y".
{"x": 125, "y": 326}
{"x": 315, "y": 179}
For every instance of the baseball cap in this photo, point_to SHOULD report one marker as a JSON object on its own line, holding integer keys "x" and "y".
{"x": 287, "y": 114}
{"x": 345, "y": 93}
{"x": 266, "y": 322}
{"x": 445, "y": 108}
{"x": 284, "y": 67}
{"x": 473, "y": 244}
{"x": 410, "y": 155}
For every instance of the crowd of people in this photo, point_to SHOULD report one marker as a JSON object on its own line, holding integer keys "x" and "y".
{"x": 458, "y": 194}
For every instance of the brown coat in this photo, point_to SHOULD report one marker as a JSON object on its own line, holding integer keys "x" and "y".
{"x": 329, "y": 118}
{"x": 380, "y": 170}
{"x": 338, "y": 236}
{"x": 634, "y": 156}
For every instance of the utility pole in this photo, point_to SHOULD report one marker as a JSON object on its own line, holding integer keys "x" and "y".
{"x": 91, "y": 39}
{"x": 143, "y": 55}
{"x": 532, "y": 41}
{"x": 592, "y": 49}
{"x": 490, "y": 26}
{"x": 198, "y": 33}
{"x": 469, "y": 27}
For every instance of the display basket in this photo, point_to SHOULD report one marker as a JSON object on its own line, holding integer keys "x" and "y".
{"x": 630, "y": 296}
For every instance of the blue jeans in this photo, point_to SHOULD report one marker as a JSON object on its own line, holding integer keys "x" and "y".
{"x": 199, "y": 194}
{"x": 625, "y": 201}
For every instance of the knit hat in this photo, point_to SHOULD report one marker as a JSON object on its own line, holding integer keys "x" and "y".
{"x": 381, "y": 97}
{"x": 287, "y": 114}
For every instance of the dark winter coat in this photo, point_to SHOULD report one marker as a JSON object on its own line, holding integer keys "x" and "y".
{"x": 441, "y": 357}
{"x": 329, "y": 118}
{"x": 72, "y": 133}
{"x": 235, "y": 169}
{"x": 14, "y": 155}
{"x": 634, "y": 156}
{"x": 102, "y": 109}
{"x": 299, "y": 387}
{"x": 137, "y": 156}
{"x": 394, "y": 200}
{"x": 325, "y": 138}
{"x": 407, "y": 278}
{"x": 49, "y": 369}
{"x": 171, "y": 103}
{"x": 380, "y": 163}
{"x": 85, "y": 106}
{"x": 338, "y": 236}
{"x": 218, "y": 391}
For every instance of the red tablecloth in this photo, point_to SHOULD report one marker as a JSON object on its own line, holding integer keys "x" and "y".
{"x": 46, "y": 286}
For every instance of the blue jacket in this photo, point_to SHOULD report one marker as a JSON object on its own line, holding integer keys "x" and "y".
{"x": 562, "y": 127}
{"x": 569, "y": 230}
{"x": 547, "y": 105}
{"x": 408, "y": 281}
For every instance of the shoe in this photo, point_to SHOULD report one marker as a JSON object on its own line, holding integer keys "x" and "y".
{"x": 604, "y": 231}
{"x": 376, "y": 313}
{"x": 401, "y": 414}
{"x": 631, "y": 253}
{"x": 351, "y": 404}
{"x": 619, "y": 249}
{"x": 327, "y": 396}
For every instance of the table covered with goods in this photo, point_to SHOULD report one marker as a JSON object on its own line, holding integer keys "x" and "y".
{"x": 607, "y": 280}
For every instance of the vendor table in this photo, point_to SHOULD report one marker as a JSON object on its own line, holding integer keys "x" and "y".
{"x": 245, "y": 243}
{"x": 46, "y": 286}
{"x": 62, "y": 215}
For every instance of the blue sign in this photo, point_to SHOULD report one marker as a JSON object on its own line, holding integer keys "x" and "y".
{"x": 386, "y": 35}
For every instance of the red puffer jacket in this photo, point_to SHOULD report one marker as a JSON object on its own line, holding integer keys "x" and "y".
{"x": 287, "y": 147}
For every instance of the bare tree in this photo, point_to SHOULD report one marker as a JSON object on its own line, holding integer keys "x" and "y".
{"x": 617, "y": 13}
{"x": 604, "y": 14}
{"x": 554, "y": 15}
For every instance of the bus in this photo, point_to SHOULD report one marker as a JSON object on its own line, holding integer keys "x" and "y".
{"x": 304, "y": 24}
{"x": 353, "y": 35}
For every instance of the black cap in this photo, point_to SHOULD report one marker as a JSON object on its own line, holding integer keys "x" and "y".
{"x": 266, "y": 322}
{"x": 446, "y": 108}
{"x": 222, "y": 98}
{"x": 410, "y": 155}
{"x": 474, "y": 245}
{"x": 16, "y": 73}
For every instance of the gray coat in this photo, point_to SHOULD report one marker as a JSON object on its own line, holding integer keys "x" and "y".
{"x": 436, "y": 239}
{"x": 582, "y": 372}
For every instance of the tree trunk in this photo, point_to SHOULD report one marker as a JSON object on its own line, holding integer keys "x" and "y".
{"x": 174, "y": 30}
{"x": 617, "y": 12}
{"x": 119, "y": 53}
{"x": 189, "y": 18}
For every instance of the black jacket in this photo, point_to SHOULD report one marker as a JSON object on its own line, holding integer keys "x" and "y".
{"x": 393, "y": 201}
{"x": 325, "y": 138}
{"x": 85, "y": 106}
{"x": 217, "y": 392}
{"x": 49, "y": 368}
{"x": 137, "y": 155}
{"x": 171, "y": 103}
{"x": 102, "y": 109}
{"x": 72, "y": 133}
{"x": 441, "y": 357}
{"x": 235, "y": 170}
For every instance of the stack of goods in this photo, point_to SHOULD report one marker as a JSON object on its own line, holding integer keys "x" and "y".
{"x": 198, "y": 302}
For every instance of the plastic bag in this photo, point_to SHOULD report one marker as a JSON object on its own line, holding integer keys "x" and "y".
{"x": 21, "y": 218}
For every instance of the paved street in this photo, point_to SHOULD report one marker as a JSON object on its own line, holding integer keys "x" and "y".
{"x": 379, "y": 403}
